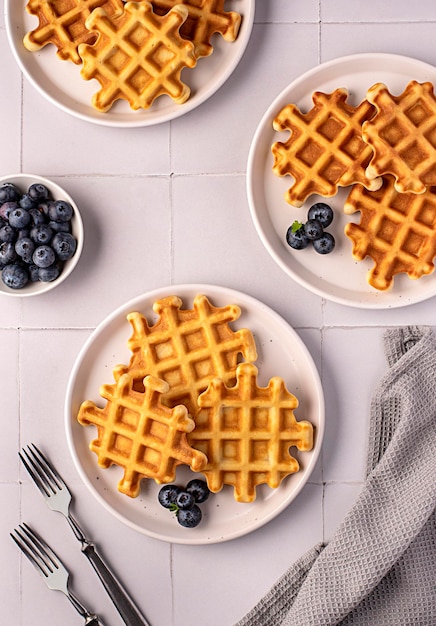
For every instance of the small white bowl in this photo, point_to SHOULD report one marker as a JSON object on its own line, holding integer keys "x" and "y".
{"x": 23, "y": 182}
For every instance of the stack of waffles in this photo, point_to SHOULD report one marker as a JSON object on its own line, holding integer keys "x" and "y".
{"x": 190, "y": 396}
{"x": 385, "y": 150}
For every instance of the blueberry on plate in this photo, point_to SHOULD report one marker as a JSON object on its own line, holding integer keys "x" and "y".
{"x": 313, "y": 229}
{"x": 64, "y": 244}
{"x": 324, "y": 244}
{"x": 25, "y": 247}
{"x": 43, "y": 256}
{"x": 8, "y": 192}
{"x": 7, "y": 253}
{"x": 189, "y": 518}
{"x": 60, "y": 211}
{"x": 7, "y": 233}
{"x": 19, "y": 218}
{"x": 48, "y": 274}
{"x": 6, "y": 208}
{"x": 26, "y": 202}
{"x": 14, "y": 276}
{"x": 167, "y": 495}
{"x": 296, "y": 236}
{"x": 321, "y": 212}
{"x": 41, "y": 233}
{"x": 199, "y": 489}
{"x": 38, "y": 191}
{"x": 185, "y": 501}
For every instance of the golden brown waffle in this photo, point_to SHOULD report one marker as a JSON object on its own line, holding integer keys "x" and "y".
{"x": 397, "y": 230}
{"x": 246, "y": 432}
{"x": 325, "y": 149}
{"x": 188, "y": 347}
{"x": 402, "y": 135}
{"x": 206, "y": 17}
{"x": 62, "y": 23}
{"x": 138, "y": 56}
{"x": 138, "y": 433}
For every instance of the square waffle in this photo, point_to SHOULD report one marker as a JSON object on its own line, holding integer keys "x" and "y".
{"x": 325, "y": 149}
{"x": 402, "y": 135}
{"x": 397, "y": 230}
{"x": 246, "y": 432}
{"x": 140, "y": 434}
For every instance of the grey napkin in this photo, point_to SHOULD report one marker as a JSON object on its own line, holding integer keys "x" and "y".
{"x": 379, "y": 569}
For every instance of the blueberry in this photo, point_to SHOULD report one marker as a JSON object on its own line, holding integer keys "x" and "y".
{"x": 324, "y": 244}
{"x": 60, "y": 211}
{"x": 6, "y": 208}
{"x": 60, "y": 227}
{"x": 199, "y": 489}
{"x": 313, "y": 229}
{"x": 189, "y": 518}
{"x": 34, "y": 272}
{"x": 48, "y": 274}
{"x": 185, "y": 501}
{"x": 43, "y": 256}
{"x": 7, "y": 233}
{"x": 296, "y": 237}
{"x": 167, "y": 495}
{"x": 9, "y": 192}
{"x": 64, "y": 245}
{"x": 26, "y": 202}
{"x": 24, "y": 247}
{"x": 38, "y": 216}
{"x": 14, "y": 276}
{"x": 7, "y": 253}
{"x": 19, "y": 218}
{"x": 41, "y": 234}
{"x": 38, "y": 191}
{"x": 321, "y": 212}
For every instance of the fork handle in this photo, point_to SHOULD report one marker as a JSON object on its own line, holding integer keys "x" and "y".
{"x": 119, "y": 596}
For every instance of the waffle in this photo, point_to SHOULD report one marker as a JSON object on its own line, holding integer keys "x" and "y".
{"x": 206, "y": 17}
{"x": 325, "y": 149}
{"x": 140, "y": 434}
{"x": 397, "y": 230}
{"x": 402, "y": 135}
{"x": 138, "y": 56}
{"x": 188, "y": 347}
{"x": 62, "y": 23}
{"x": 246, "y": 432}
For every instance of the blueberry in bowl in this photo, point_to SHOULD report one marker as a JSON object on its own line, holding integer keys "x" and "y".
{"x": 41, "y": 235}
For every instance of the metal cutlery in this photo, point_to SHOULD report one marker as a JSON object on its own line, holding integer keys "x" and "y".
{"x": 58, "y": 498}
{"x": 51, "y": 568}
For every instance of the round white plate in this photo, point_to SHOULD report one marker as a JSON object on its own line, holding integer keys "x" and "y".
{"x": 60, "y": 81}
{"x": 335, "y": 276}
{"x": 280, "y": 352}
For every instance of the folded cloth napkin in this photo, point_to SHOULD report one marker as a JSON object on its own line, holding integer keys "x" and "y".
{"x": 379, "y": 569}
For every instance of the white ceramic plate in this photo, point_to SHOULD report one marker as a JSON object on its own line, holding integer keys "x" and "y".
{"x": 335, "y": 276}
{"x": 60, "y": 81}
{"x": 280, "y": 352}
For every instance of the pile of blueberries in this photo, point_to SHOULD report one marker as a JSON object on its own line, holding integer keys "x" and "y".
{"x": 184, "y": 502}
{"x": 35, "y": 235}
{"x": 299, "y": 236}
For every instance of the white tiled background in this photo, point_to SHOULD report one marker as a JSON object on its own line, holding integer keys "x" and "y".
{"x": 167, "y": 205}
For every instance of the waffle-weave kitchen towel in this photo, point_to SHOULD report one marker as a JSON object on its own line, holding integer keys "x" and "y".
{"x": 379, "y": 569}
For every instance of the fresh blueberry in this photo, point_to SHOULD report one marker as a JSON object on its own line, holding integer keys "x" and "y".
{"x": 48, "y": 274}
{"x": 324, "y": 244}
{"x": 34, "y": 272}
{"x": 189, "y": 518}
{"x": 7, "y": 233}
{"x": 60, "y": 227}
{"x": 41, "y": 234}
{"x": 39, "y": 192}
{"x": 60, "y": 211}
{"x": 7, "y": 253}
{"x": 19, "y": 218}
{"x": 38, "y": 216}
{"x": 199, "y": 489}
{"x": 9, "y": 192}
{"x": 64, "y": 244}
{"x": 321, "y": 212}
{"x": 185, "y": 500}
{"x": 296, "y": 237}
{"x": 6, "y": 208}
{"x": 167, "y": 495}
{"x": 25, "y": 247}
{"x": 14, "y": 276}
{"x": 43, "y": 256}
{"x": 26, "y": 202}
{"x": 313, "y": 229}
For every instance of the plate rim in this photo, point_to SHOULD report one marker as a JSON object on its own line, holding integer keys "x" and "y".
{"x": 208, "y": 290}
{"x": 374, "y": 304}
{"x": 104, "y": 119}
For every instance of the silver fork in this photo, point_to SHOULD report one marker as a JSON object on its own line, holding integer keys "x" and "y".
{"x": 50, "y": 567}
{"x": 58, "y": 498}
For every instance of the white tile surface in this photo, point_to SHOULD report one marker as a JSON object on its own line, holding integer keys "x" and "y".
{"x": 161, "y": 206}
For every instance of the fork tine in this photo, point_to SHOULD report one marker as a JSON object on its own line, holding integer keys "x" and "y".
{"x": 40, "y": 469}
{"x": 36, "y": 550}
